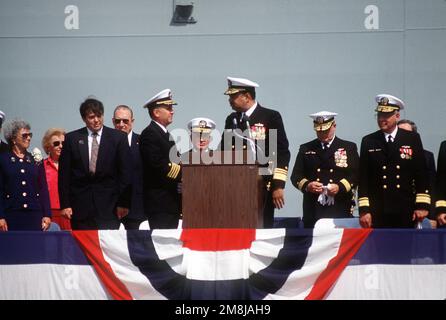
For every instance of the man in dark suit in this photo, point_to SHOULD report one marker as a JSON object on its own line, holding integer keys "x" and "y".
{"x": 123, "y": 120}
{"x": 95, "y": 172}
{"x": 263, "y": 129}
{"x": 162, "y": 173}
{"x": 440, "y": 187}
{"x": 393, "y": 188}
{"x": 326, "y": 171}
{"x": 3, "y": 145}
{"x": 409, "y": 125}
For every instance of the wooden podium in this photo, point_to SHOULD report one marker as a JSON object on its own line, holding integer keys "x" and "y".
{"x": 226, "y": 194}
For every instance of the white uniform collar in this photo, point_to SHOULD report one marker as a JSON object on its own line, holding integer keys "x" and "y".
{"x": 251, "y": 110}
{"x": 328, "y": 143}
{"x": 393, "y": 134}
{"x": 161, "y": 126}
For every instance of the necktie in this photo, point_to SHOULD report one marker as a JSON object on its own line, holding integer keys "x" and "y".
{"x": 325, "y": 146}
{"x": 94, "y": 153}
{"x": 389, "y": 139}
{"x": 242, "y": 116}
{"x": 244, "y": 121}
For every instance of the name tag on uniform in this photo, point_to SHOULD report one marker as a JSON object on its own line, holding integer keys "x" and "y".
{"x": 374, "y": 150}
{"x": 310, "y": 152}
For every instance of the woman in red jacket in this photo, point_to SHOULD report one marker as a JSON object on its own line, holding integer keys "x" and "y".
{"x": 52, "y": 143}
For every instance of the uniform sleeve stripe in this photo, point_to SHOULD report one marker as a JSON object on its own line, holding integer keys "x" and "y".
{"x": 423, "y": 195}
{"x": 423, "y": 198}
{"x": 279, "y": 176}
{"x": 301, "y": 183}
{"x": 174, "y": 170}
{"x": 364, "y": 202}
{"x": 440, "y": 203}
{"x": 177, "y": 171}
{"x": 346, "y": 184}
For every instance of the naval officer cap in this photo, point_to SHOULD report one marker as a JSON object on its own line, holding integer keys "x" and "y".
{"x": 323, "y": 120}
{"x": 201, "y": 125}
{"x": 236, "y": 85}
{"x": 388, "y": 103}
{"x": 162, "y": 98}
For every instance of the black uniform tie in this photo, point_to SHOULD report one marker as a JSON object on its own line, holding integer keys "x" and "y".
{"x": 389, "y": 139}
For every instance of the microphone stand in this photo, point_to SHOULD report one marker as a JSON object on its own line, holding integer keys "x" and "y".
{"x": 252, "y": 144}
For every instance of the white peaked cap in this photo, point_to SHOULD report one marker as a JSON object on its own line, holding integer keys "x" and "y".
{"x": 163, "y": 97}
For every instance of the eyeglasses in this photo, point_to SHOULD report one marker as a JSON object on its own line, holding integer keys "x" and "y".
{"x": 118, "y": 121}
{"x": 27, "y": 135}
{"x": 57, "y": 143}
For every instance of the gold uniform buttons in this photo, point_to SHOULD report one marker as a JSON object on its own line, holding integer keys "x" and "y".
{"x": 25, "y": 206}
{"x": 331, "y": 170}
{"x": 397, "y": 167}
{"x": 384, "y": 177}
{"x": 22, "y": 170}
{"x": 318, "y": 179}
{"x": 20, "y": 160}
{"x": 24, "y": 194}
{"x": 384, "y": 167}
{"x": 23, "y": 183}
{"x": 398, "y": 186}
{"x": 397, "y": 176}
{"x": 318, "y": 170}
{"x": 331, "y": 180}
{"x": 385, "y": 186}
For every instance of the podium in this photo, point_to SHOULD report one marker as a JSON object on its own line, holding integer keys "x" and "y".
{"x": 226, "y": 193}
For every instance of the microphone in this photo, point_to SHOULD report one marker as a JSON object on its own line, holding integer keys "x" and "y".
{"x": 234, "y": 123}
{"x": 248, "y": 127}
{"x": 249, "y": 139}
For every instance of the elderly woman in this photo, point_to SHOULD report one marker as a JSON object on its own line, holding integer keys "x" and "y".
{"x": 24, "y": 200}
{"x": 52, "y": 143}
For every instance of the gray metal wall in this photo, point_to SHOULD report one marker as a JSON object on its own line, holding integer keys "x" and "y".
{"x": 306, "y": 55}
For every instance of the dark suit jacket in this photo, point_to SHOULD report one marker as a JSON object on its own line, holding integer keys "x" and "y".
{"x": 95, "y": 196}
{"x": 440, "y": 188}
{"x": 339, "y": 164}
{"x": 137, "y": 207}
{"x": 393, "y": 178}
{"x": 24, "y": 198}
{"x": 4, "y": 147}
{"x": 431, "y": 171}
{"x": 161, "y": 175}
